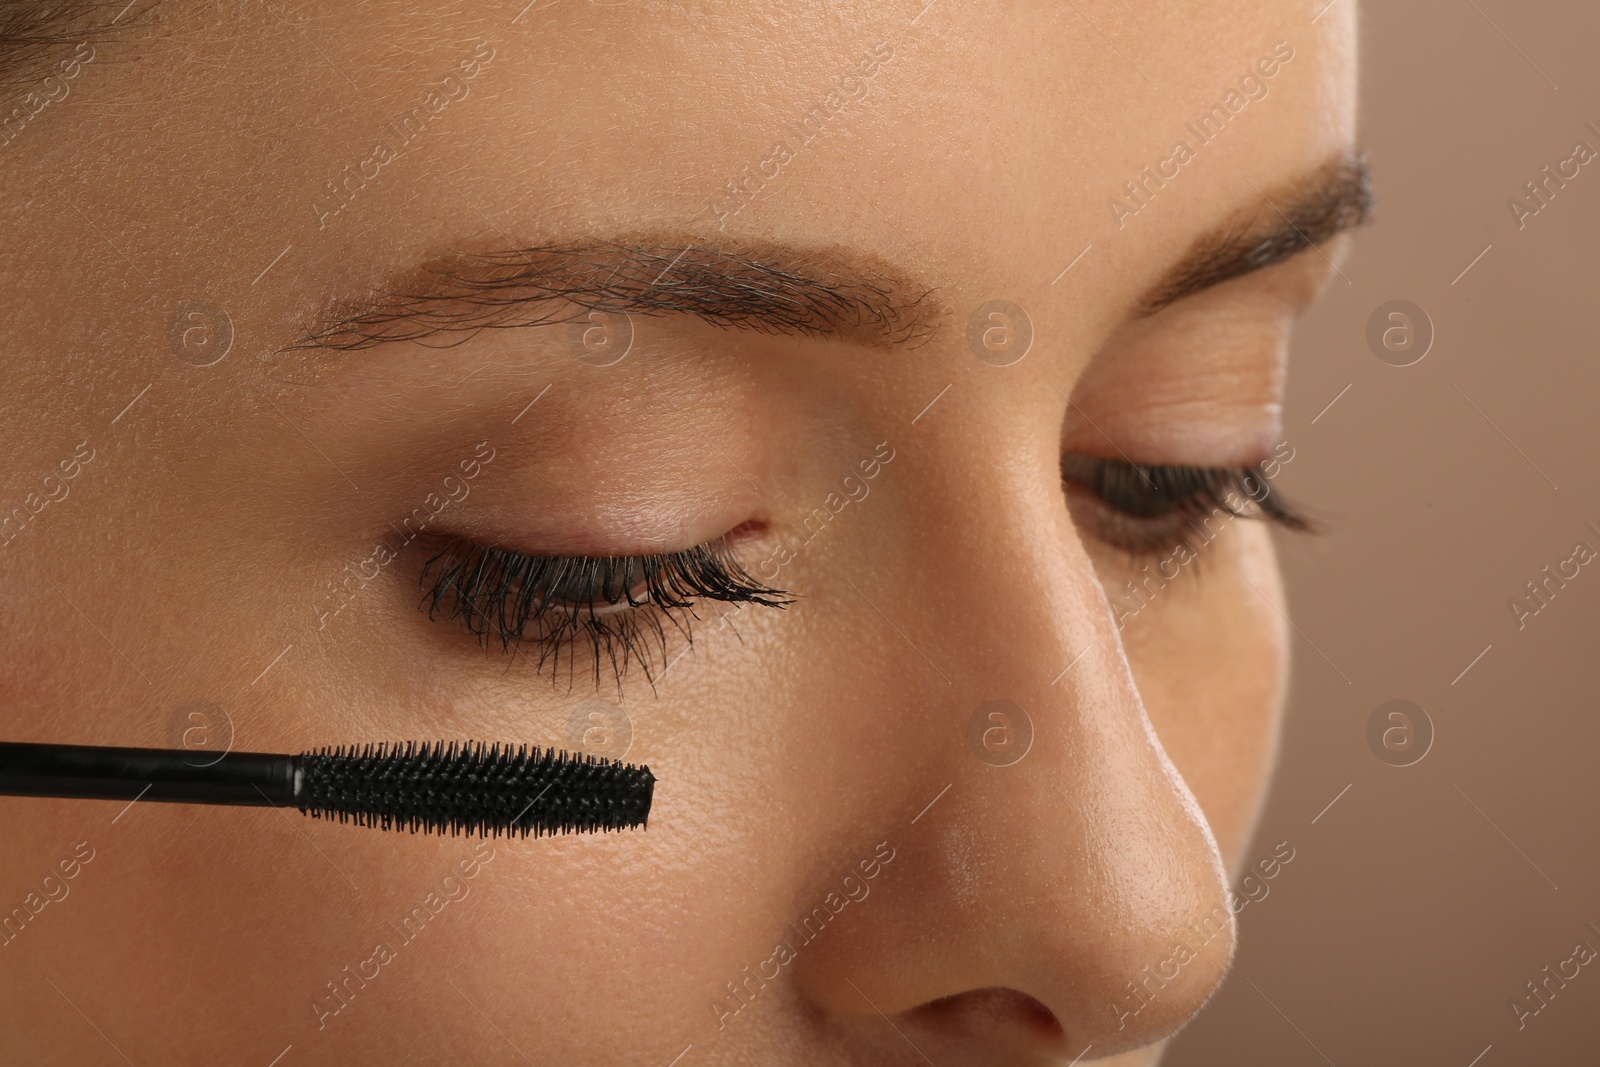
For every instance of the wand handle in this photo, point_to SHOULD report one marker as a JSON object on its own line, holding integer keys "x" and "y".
{"x": 184, "y": 776}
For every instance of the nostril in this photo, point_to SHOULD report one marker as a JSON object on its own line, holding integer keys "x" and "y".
{"x": 1004, "y": 1017}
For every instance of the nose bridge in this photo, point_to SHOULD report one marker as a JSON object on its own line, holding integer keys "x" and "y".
{"x": 1095, "y": 799}
{"x": 1043, "y": 657}
{"x": 1067, "y": 859}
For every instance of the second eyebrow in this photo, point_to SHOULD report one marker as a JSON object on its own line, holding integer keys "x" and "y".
{"x": 1328, "y": 201}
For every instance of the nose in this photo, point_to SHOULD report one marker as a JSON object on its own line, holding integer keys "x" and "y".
{"x": 1062, "y": 894}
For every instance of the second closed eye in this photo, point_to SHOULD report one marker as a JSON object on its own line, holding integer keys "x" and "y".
{"x": 1144, "y": 509}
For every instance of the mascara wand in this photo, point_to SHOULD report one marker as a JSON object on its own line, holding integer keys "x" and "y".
{"x": 443, "y": 787}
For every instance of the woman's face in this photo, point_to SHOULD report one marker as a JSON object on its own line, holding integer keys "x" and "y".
{"x": 845, "y": 286}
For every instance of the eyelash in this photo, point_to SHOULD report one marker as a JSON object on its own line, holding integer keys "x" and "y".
{"x": 1144, "y": 510}
{"x": 563, "y": 600}
{"x": 1151, "y": 509}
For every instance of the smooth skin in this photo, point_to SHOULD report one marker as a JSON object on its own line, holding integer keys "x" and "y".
{"x": 1008, "y": 907}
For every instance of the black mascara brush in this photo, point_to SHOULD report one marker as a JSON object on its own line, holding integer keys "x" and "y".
{"x": 435, "y": 788}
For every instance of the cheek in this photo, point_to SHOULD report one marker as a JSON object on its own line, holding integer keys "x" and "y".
{"x": 39, "y": 661}
{"x": 1210, "y": 659}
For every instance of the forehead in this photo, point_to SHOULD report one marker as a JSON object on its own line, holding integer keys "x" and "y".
{"x": 983, "y": 145}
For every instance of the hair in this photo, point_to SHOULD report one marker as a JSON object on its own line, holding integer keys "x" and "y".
{"x": 36, "y": 34}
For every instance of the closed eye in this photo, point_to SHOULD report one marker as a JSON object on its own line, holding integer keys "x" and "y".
{"x": 1147, "y": 509}
{"x": 619, "y": 606}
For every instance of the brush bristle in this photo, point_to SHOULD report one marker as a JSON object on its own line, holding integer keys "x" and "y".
{"x": 474, "y": 788}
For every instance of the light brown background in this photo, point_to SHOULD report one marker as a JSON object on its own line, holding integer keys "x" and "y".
{"x": 1409, "y": 918}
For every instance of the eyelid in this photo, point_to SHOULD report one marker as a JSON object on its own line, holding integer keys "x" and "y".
{"x": 1201, "y": 383}
{"x": 572, "y": 527}
{"x": 1161, "y": 504}
{"x": 500, "y": 593}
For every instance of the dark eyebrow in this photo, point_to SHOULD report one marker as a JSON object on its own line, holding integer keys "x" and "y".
{"x": 36, "y": 38}
{"x": 1272, "y": 228}
{"x": 767, "y": 287}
